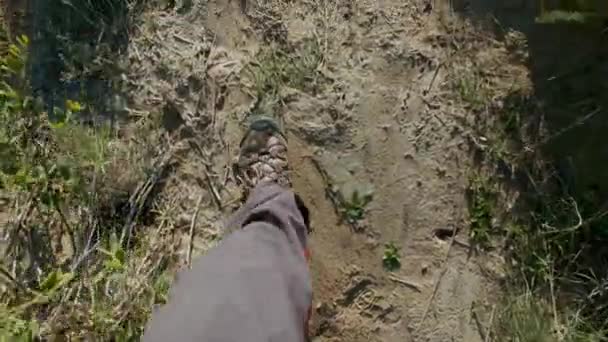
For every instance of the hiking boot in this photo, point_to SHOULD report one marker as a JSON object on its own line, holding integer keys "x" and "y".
{"x": 263, "y": 156}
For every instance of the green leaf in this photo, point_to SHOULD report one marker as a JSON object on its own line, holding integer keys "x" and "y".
{"x": 51, "y": 280}
{"x": 50, "y": 199}
{"x": 161, "y": 289}
{"x": 114, "y": 243}
{"x": 26, "y": 102}
{"x": 120, "y": 255}
{"x": 391, "y": 259}
{"x": 64, "y": 172}
{"x": 8, "y": 162}
{"x": 355, "y": 213}
{"x": 113, "y": 265}
{"x": 23, "y": 40}
{"x": 54, "y": 280}
{"x": 62, "y": 117}
{"x": 57, "y": 125}
{"x": 73, "y": 106}
{"x": 21, "y": 178}
{"x": 355, "y": 198}
{"x": 8, "y": 92}
{"x": 117, "y": 258}
{"x": 105, "y": 251}
{"x": 14, "y": 51}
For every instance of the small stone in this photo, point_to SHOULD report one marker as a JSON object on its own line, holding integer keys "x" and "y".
{"x": 441, "y": 172}
{"x": 371, "y": 242}
{"x": 424, "y": 270}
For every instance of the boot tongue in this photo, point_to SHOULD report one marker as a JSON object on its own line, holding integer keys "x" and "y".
{"x": 256, "y": 142}
{"x": 263, "y": 124}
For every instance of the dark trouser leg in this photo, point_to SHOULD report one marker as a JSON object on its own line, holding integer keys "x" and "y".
{"x": 253, "y": 287}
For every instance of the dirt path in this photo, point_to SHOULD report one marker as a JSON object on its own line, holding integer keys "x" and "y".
{"x": 405, "y": 145}
{"x": 381, "y": 122}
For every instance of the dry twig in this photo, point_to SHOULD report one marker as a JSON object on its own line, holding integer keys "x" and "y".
{"x": 443, "y": 272}
{"x": 480, "y": 327}
{"x": 576, "y": 123}
{"x": 140, "y": 196}
{"x": 486, "y": 331}
{"x": 67, "y": 226}
{"x": 183, "y": 39}
{"x": 19, "y": 224}
{"x": 6, "y": 274}
{"x": 203, "y": 156}
{"x": 554, "y": 308}
{"x": 490, "y": 324}
{"x": 428, "y": 89}
{"x": 578, "y": 225}
{"x": 192, "y": 225}
{"x": 216, "y": 196}
{"x": 407, "y": 283}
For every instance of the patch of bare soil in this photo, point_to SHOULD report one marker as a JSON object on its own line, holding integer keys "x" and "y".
{"x": 385, "y": 120}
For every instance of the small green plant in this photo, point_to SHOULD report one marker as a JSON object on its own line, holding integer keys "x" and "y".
{"x": 525, "y": 318}
{"x": 391, "y": 260}
{"x": 469, "y": 87}
{"x": 554, "y": 234}
{"x": 354, "y": 208}
{"x": 529, "y": 317}
{"x": 572, "y": 11}
{"x": 116, "y": 256}
{"x": 481, "y": 207}
{"x": 553, "y": 17}
{"x": 13, "y": 328}
{"x": 276, "y": 68}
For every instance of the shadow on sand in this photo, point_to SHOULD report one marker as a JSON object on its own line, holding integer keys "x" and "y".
{"x": 569, "y": 69}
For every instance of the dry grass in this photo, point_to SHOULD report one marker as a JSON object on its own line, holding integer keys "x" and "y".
{"x": 521, "y": 202}
{"x": 556, "y": 273}
{"x": 85, "y": 256}
{"x": 90, "y": 246}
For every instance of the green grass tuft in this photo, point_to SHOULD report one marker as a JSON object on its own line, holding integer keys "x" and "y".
{"x": 64, "y": 272}
{"x": 391, "y": 260}
{"x": 470, "y": 88}
{"x": 525, "y": 318}
{"x": 481, "y": 210}
{"x": 353, "y": 208}
{"x": 277, "y": 68}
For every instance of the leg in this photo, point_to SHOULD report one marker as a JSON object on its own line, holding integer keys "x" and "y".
{"x": 255, "y": 286}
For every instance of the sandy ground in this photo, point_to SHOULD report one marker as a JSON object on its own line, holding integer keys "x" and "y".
{"x": 384, "y": 121}
{"x": 385, "y": 118}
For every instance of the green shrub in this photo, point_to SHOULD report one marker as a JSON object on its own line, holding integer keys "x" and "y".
{"x": 56, "y": 170}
